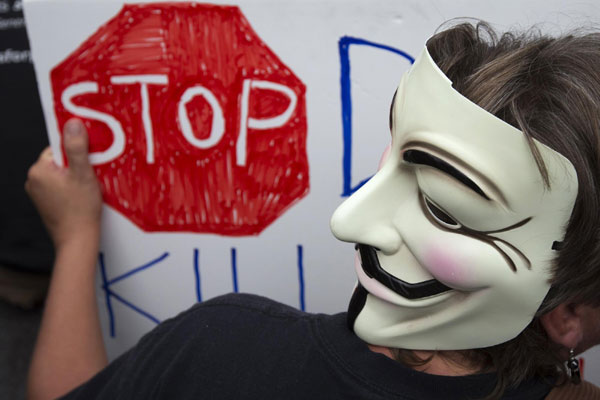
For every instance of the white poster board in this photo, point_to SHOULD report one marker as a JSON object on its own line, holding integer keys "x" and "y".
{"x": 349, "y": 56}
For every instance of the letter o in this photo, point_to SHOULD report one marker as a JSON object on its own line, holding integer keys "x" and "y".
{"x": 218, "y": 122}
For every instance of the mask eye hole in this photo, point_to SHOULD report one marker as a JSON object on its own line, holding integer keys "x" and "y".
{"x": 440, "y": 216}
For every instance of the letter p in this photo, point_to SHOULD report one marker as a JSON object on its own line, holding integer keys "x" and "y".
{"x": 263, "y": 123}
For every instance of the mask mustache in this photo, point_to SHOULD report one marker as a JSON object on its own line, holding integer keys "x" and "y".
{"x": 411, "y": 291}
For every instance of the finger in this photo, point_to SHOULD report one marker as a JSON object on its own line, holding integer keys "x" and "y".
{"x": 33, "y": 175}
{"x": 46, "y": 155}
{"x": 76, "y": 147}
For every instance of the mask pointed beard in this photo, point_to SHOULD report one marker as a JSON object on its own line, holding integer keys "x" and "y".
{"x": 357, "y": 303}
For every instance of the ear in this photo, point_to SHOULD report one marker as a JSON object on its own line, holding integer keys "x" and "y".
{"x": 564, "y": 325}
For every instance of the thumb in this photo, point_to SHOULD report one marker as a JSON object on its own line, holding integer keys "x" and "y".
{"x": 75, "y": 140}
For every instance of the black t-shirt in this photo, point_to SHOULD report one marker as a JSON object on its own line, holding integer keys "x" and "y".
{"x": 24, "y": 242}
{"x": 249, "y": 347}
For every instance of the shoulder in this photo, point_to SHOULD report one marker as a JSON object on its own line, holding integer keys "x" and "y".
{"x": 250, "y": 302}
{"x": 231, "y": 314}
{"x": 585, "y": 390}
{"x": 204, "y": 348}
{"x": 241, "y": 303}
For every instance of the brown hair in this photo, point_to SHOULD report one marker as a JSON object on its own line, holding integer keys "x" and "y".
{"x": 549, "y": 88}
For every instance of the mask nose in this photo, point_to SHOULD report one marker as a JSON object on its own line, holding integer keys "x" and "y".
{"x": 367, "y": 216}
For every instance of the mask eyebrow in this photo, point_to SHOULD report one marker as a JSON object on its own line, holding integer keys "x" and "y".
{"x": 392, "y": 109}
{"x": 423, "y": 158}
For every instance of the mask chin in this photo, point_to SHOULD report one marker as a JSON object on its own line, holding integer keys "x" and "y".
{"x": 357, "y": 303}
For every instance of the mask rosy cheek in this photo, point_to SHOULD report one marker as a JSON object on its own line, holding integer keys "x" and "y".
{"x": 448, "y": 267}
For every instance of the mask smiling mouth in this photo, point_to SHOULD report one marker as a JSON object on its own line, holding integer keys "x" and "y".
{"x": 411, "y": 291}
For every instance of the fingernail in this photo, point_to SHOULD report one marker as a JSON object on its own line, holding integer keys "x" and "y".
{"x": 73, "y": 128}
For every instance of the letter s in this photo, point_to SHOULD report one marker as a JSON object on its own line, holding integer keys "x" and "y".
{"x": 118, "y": 144}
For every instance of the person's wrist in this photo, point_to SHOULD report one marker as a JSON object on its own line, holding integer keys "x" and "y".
{"x": 86, "y": 236}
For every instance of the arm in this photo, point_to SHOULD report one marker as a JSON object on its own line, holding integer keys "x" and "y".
{"x": 69, "y": 348}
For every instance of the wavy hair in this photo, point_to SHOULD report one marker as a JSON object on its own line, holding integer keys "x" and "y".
{"x": 549, "y": 88}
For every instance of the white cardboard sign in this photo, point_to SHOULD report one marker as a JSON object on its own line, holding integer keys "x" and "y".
{"x": 331, "y": 69}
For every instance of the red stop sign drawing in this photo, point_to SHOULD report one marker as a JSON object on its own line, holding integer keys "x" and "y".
{"x": 195, "y": 124}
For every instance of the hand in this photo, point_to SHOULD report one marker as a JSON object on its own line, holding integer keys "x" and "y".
{"x": 68, "y": 199}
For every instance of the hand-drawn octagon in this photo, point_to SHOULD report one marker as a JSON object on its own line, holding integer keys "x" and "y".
{"x": 195, "y": 124}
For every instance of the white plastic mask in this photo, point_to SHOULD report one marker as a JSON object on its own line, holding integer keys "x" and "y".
{"x": 456, "y": 230}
